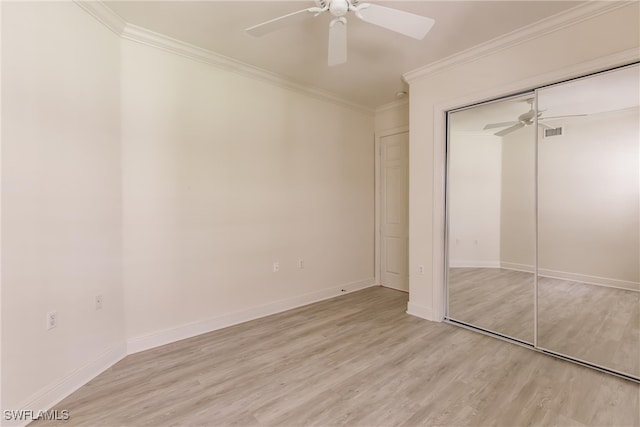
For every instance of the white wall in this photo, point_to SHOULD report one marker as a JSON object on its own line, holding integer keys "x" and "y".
{"x": 125, "y": 165}
{"x": 529, "y": 63}
{"x": 61, "y": 200}
{"x": 224, "y": 175}
{"x": 475, "y": 183}
{"x": 391, "y": 116}
{"x": 518, "y": 223}
{"x": 588, "y": 199}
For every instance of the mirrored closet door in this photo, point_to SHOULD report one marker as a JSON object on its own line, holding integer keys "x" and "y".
{"x": 491, "y": 222}
{"x": 588, "y": 220}
{"x": 543, "y": 219}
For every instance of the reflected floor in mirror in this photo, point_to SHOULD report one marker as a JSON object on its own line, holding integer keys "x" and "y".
{"x": 597, "y": 324}
{"x": 594, "y": 323}
{"x": 495, "y": 299}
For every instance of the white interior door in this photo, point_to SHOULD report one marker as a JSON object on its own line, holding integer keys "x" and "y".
{"x": 394, "y": 211}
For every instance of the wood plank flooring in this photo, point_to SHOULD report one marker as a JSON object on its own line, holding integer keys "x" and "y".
{"x": 493, "y": 298}
{"x": 590, "y": 322}
{"x": 593, "y": 323}
{"x": 356, "y": 360}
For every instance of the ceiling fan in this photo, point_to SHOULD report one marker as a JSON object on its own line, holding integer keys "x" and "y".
{"x": 525, "y": 119}
{"x": 402, "y": 22}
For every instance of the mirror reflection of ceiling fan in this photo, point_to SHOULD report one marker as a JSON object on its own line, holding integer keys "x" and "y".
{"x": 526, "y": 119}
{"x": 402, "y": 22}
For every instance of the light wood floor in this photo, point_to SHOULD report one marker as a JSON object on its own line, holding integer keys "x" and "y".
{"x": 590, "y": 322}
{"x": 495, "y": 299}
{"x": 594, "y": 323}
{"x": 356, "y": 360}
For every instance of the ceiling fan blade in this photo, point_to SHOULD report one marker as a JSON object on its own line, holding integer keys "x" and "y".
{"x": 509, "y": 130}
{"x": 402, "y": 22}
{"x": 338, "y": 41}
{"x": 499, "y": 125}
{"x": 281, "y": 22}
{"x": 562, "y": 117}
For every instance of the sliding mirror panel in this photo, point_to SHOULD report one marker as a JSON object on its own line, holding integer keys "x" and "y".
{"x": 588, "y": 220}
{"x": 491, "y": 217}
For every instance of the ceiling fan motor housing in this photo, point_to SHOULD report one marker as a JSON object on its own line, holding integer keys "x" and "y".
{"x": 339, "y": 7}
{"x": 399, "y": 21}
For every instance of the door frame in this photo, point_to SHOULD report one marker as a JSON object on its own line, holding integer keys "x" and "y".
{"x": 440, "y": 109}
{"x": 379, "y": 135}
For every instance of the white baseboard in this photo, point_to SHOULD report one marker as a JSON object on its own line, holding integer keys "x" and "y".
{"x": 49, "y": 396}
{"x": 574, "y": 277}
{"x": 474, "y": 264}
{"x": 420, "y": 311}
{"x": 167, "y": 336}
{"x": 517, "y": 267}
{"x": 592, "y": 280}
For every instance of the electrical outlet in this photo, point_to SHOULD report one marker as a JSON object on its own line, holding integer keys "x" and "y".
{"x": 98, "y": 302}
{"x": 301, "y": 264}
{"x": 52, "y": 319}
{"x": 276, "y": 267}
{"x": 421, "y": 269}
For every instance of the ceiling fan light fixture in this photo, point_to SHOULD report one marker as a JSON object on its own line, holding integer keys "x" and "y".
{"x": 339, "y": 7}
{"x": 526, "y": 119}
{"x": 399, "y": 21}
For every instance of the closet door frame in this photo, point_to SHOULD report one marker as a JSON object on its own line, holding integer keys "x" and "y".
{"x": 447, "y": 234}
{"x": 446, "y": 221}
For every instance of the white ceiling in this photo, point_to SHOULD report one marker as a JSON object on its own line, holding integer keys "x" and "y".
{"x": 377, "y": 58}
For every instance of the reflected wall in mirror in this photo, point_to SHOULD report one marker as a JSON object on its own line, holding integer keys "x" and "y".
{"x": 491, "y": 217}
{"x": 588, "y": 220}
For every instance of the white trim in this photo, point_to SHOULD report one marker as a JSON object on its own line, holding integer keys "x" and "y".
{"x": 592, "y": 280}
{"x": 128, "y": 31}
{"x": 377, "y": 200}
{"x": 574, "y": 277}
{"x": 392, "y": 105}
{"x": 378, "y": 197}
{"x": 104, "y": 15}
{"x": 575, "y": 71}
{"x": 440, "y": 138}
{"x": 474, "y": 264}
{"x": 421, "y": 312}
{"x": 393, "y": 131}
{"x": 50, "y": 395}
{"x": 517, "y": 267}
{"x": 537, "y": 29}
{"x": 160, "y": 41}
{"x": 168, "y": 336}
{"x": 439, "y": 220}
{"x": 395, "y": 289}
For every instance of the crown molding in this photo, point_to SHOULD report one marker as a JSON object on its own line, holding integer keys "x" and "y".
{"x": 104, "y": 15}
{"x": 548, "y": 25}
{"x": 128, "y": 31}
{"x": 392, "y": 105}
{"x": 160, "y": 41}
